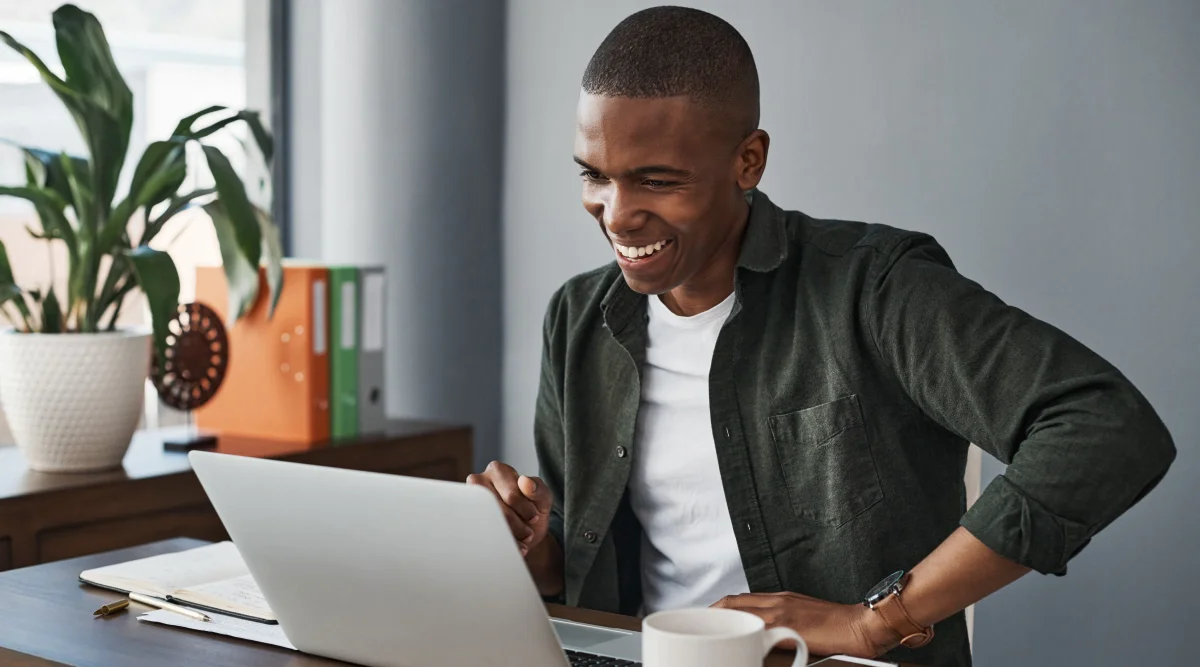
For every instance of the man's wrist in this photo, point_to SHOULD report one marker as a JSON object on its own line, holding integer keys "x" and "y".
{"x": 875, "y": 630}
{"x": 545, "y": 563}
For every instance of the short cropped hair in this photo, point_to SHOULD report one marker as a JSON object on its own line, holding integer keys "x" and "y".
{"x": 678, "y": 51}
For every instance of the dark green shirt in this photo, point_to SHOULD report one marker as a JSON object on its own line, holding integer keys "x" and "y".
{"x": 856, "y": 367}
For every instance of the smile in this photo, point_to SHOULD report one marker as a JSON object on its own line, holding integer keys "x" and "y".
{"x": 638, "y": 252}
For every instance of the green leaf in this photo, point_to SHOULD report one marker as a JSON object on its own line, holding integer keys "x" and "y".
{"x": 52, "y": 315}
{"x": 184, "y": 128}
{"x": 93, "y": 74}
{"x": 273, "y": 249}
{"x": 159, "y": 280}
{"x": 266, "y": 144}
{"x": 240, "y": 275}
{"x": 59, "y": 86}
{"x": 177, "y": 204}
{"x": 45, "y": 169}
{"x": 50, "y": 207}
{"x": 88, "y": 62}
{"x": 236, "y": 205}
{"x": 80, "y": 194}
{"x": 158, "y": 175}
{"x": 6, "y": 274}
{"x": 9, "y": 291}
{"x": 119, "y": 300}
{"x": 37, "y": 195}
{"x": 55, "y": 225}
{"x": 160, "y": 172}
{"x": 118, "y": 274}
{"x": 101, "y": 130}
{"x": 261, "y": 137}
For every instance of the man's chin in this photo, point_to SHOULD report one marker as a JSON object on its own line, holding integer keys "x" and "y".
{"x": 645, "y": 286}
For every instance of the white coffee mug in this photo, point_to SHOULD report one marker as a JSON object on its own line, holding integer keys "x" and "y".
{"x": 712, "y": 638}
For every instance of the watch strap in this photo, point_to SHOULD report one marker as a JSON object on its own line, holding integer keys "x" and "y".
{"x": 912, "y": 634}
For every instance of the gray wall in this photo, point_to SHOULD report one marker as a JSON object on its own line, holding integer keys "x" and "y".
{"x": 1053, "y": 148}
{"x": 398, "y": 132}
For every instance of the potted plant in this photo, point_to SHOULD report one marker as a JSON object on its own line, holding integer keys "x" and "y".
{"x": 71, "y": 381}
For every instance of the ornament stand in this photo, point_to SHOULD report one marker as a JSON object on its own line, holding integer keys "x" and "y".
{"x": 190, "y": 438}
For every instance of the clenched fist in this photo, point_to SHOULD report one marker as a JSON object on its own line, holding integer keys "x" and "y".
{"x": 525, "y": 501}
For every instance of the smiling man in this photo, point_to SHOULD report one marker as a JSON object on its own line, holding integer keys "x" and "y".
{"x": 760, "y": 410}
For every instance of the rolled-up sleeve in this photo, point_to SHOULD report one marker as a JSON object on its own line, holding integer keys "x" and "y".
{"x": 1082, "y": 444}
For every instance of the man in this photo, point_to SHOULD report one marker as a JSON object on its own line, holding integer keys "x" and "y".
{"x": 763, "y": 411}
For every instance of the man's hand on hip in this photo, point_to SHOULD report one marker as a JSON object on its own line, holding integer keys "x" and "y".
{"x": 525, "y": 501}
{"x": 828, "y": 628}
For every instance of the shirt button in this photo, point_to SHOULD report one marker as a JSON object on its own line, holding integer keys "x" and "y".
{"x": 620, "y": 452}
{"x": 590, "y": 535}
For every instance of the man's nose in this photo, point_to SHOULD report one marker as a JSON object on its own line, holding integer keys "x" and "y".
{"x": 621, "y": 215}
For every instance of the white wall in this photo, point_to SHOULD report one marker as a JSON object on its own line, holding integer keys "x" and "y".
{"x": 1051, "y": 146}
{"x": 397, "y": 135}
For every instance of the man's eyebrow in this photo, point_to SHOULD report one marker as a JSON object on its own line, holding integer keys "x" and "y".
{"x": 641, "y": 171}
{"x": 658, "y": 169}
{"x": 586, "y": 165}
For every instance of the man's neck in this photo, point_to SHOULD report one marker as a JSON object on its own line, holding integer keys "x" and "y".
{"x": 713, "y": 284}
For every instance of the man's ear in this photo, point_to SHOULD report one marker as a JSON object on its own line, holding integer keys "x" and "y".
{"x": 751, "y": 159}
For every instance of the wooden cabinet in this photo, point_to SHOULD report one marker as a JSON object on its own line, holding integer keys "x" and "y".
{"x": 155, "y": 495}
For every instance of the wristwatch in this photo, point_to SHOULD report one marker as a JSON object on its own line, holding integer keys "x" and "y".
{"x": 884, "y": 599}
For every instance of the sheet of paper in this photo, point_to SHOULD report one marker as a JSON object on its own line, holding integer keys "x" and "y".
{"x": 173, "y": 571}
{"x": 223, "y": 625}
{"x": 242, "y": 592}
{"x": 848, "y": 660}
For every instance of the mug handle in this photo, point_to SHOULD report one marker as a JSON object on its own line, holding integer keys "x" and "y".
{"x": 775, "y": 635}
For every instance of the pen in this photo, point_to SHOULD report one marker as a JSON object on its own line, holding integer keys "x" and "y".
{"x": 111, "y": 608}
{"x": 163, "y": 604}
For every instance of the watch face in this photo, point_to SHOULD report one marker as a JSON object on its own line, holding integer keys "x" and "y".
{"x": 884, "y": 587}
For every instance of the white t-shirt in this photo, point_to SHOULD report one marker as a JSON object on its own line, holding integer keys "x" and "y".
{"x": 689, "y": 554}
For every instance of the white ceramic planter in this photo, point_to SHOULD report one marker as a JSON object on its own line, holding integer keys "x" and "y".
{"x": 73, "y": 401}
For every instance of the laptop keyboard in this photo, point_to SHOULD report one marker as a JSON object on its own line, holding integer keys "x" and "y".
{"x": 588, "y": 660}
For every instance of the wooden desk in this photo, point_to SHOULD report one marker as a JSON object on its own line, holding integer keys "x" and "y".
{"x": 46, "y": 621}
{"x": 155, "y": 495}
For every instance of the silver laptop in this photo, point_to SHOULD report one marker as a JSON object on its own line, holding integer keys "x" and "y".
{"x": 391, "y": 571}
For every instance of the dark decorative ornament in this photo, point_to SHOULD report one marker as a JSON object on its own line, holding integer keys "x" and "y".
{"x": 197, "y": 355}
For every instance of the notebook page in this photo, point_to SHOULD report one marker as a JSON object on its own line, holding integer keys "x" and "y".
{"x": 223, "y": 625}
{"x": 239, "y": 595}
{"x": 163, "y": 574}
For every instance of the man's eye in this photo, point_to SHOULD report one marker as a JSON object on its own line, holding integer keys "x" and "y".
{"x": 589, "y": 175}
{"x": 652, "y": 183}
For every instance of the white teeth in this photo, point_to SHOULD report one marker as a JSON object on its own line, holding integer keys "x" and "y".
{"x": 643, "y": 251}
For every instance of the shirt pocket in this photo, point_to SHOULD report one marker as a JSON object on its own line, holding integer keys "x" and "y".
{"x": 827, "y": 462}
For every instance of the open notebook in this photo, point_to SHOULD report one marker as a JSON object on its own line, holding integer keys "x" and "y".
{"x": 212, "y": 577}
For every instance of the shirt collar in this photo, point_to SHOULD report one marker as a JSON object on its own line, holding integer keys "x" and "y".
{"x": 765, "y": 242}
